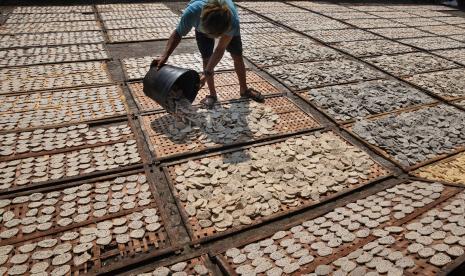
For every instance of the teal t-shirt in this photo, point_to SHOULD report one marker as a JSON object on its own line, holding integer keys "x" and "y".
{"x": 191, "y": 17}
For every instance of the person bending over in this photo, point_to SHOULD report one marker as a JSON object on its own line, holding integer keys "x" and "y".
{"x": 213, "y": 19}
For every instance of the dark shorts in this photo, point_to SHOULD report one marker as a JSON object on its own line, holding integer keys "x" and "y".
{"x": 206, "y": 45}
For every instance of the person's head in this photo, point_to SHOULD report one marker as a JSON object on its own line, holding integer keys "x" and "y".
{"x": 216, "y": 18}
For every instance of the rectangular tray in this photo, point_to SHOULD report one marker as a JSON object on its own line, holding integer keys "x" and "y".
{"x": 70, "y": 165}
{"x": 349, "y": 15}
{"x": 308, "y": 225}
{"x": 350, "y": 89}
{"x": 273, "y": 39}
{"x": 302, "y": 52}
{"x": 48, "y": 17}
{"x": 104, "y": 190}
{"x": 61, "y": 107}
{"x": 383, "y": 153}
{"x": 409, "y": 64}
{"x": 424, "y": 264}
{"x": 373, "y": 47}
{"x": 303, "y": 76}
{"x": 373, "y": 23}
{"x": 53, "y": 76}
{"x": 456, "y": 55}
{"x": 453, "y": 20}
{"x": 50, "y": 140}
{"x": 433, "y": 43}
{"x": 117, "y": 252}
{"x": 395, "y": 14}
{"x": 53, "y": 54}
{"x": 200, "y": 235}
{"x": 50, "y": 39}
{"x": 443, "y": 30}
{"x": 131, "y": 7}
{"x": 142, "y": 34}
{"x": 50, "y": 27}
{"x": 418, "y": 21}
{"x": 189, "y": 262}
{"x": 451, "y": 170}
{"x": 332, "y": 36}
{"x": 318, "y": 24}
{"x": 53, "y": 9}
{"x": 447, "y": 85}
{"x": 141, "y": 23}
{"x": 127, "y": 14}
{"x": 292, "y": 120}
{"x": 398, "y": 33}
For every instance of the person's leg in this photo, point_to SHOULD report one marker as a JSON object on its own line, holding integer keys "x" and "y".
{"x": 235, "y": 49}
{"x": 239, "y": 67}
{"x": 206, "y": 45}
{"x": 461, "y": 4}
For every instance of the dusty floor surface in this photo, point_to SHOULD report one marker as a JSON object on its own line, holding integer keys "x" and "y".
{"x": 354, "y": 165}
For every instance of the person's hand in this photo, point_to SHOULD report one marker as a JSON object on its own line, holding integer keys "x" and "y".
{"x": 158, "y": 62}
{"x": 204, "y": 77}
{"x": 203, "y": 80}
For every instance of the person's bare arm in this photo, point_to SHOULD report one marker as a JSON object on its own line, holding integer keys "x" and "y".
{"x": 216, "y": 57}
{"x": 173, "y": 42}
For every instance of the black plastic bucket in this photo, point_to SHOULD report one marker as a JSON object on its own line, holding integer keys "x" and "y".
{"x": 159, "y": 83}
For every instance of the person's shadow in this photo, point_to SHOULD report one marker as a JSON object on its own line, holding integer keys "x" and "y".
{"x": 226, "y": 124}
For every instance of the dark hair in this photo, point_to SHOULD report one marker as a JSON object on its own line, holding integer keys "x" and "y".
{"x": 216, "y": 18}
